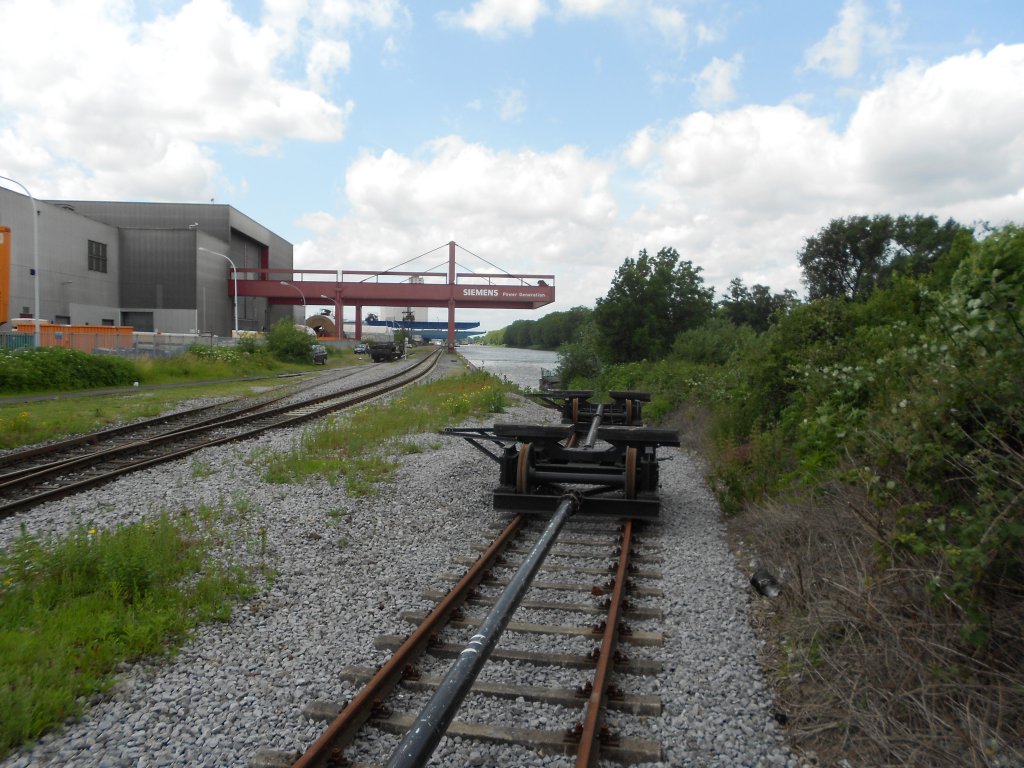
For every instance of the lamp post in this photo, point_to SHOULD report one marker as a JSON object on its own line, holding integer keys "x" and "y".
{"x": 301, "y": 295}
{"x": 35, "y": 255}
{"x": 234, "y": 275}
{"x": 338, "y": 322}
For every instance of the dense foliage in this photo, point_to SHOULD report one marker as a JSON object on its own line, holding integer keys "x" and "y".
{"x": 886, "y": 411}
{"x": 55, "y": 369}
{"x": 548, "y": 332}
{"x": 852, "y": 257}
{"x": 288, "y": 343}
{"x": 651, "y": 300}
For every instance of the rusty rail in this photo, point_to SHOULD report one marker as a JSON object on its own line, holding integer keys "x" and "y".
{"x": 339, "y": 733}
{"x": 590, "y": 744}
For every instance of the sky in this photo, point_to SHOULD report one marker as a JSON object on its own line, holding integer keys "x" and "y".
{"x": 543, "y": 136}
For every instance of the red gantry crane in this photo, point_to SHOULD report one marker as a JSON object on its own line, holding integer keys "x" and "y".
{"x": 391, "y": 288}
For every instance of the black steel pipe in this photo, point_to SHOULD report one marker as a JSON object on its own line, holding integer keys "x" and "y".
{"x": 599, "y": 476}
{"x": 592, "y": 432}
{"x": 420, "y": 740}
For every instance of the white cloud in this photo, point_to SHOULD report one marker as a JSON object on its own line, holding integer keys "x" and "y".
{"x": 117, "y": 100}
{"x": 586, "y": 7}
{"x": 707, "y": 34}
{"x": 841, "y": 51}
{"x": 736, "y": 193}
{"x": 946, "y": 134}
{"x": 739, "y": 191}
{"x": 670, "y": 22}
{"x": 513, "y": 105}
{"x": 715, "y": 82}
{"x": 497, "y": 17}
{"x": 528, "y": 212}
{"x": 325, "y": 58}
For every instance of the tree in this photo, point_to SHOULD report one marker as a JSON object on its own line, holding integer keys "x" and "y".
{"x": 549, "y": 332}
{"x": 755, "y": 307}
{"x": 846, "y": 257}
{"x": 850, "y": 258}
{"x": 578, "y": 358}
{"x": 650, "y": 301}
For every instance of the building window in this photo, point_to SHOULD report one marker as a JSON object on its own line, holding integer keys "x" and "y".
{"x": 97, "y": 256}
{"x": 61, "y": 320}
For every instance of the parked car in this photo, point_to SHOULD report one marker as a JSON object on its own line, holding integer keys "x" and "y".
{"x": 360, "y": 349}
{"x": 319, "y": 354}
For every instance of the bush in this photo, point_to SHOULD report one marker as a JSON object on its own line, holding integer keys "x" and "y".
{"x": 288, "y": 343}
{"x": 58, "y": 369}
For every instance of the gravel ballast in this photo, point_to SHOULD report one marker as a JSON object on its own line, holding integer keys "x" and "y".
{"x": 345, "y": 570}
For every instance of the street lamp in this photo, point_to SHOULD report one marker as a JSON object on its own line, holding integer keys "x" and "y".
{"x": 301, "y": 295}
{"x": 35, "y": 255}
{"x": 234, "y": 275}
{"x": 337, "y": 314}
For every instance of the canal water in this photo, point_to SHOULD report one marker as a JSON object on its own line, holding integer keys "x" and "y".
{"x": 521, "y": 366}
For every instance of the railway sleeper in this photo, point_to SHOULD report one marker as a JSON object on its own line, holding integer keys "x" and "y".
{"x": 634, "y": 704}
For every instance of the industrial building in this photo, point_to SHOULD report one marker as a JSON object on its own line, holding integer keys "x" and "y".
{"x": 158, "y": 267}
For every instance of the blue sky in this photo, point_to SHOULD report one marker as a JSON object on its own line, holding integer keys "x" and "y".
{"x": 548, "y": 136}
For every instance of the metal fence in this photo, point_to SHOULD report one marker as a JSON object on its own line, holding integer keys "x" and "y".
{"x": 134, "y": 345}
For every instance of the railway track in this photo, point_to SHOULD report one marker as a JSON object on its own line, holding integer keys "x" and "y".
{"x": 571, "y": 675}
{"x": 49, "y": 472}
{"x": 562, "y": 650}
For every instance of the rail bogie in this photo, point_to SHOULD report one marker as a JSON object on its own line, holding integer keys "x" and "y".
{"x": 601, "y": 452}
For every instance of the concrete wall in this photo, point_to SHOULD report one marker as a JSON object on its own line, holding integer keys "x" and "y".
{"x": 64, "y": 274}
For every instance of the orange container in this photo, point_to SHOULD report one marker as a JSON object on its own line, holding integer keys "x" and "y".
{"x": 5, "y": 273}
{"x": 85, "y": 338}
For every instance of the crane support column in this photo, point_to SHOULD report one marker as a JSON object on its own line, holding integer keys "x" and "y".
{"x": 451, "y": 296}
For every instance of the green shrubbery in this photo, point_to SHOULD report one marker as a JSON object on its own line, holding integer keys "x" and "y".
{"x": 876, "y": 447}
{"x": 56, "y": 369}
{"x": 923, "y": 407}
{"x": 288, "y": 343}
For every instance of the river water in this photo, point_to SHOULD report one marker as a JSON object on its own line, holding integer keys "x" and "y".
{"x": 521, "y": 366}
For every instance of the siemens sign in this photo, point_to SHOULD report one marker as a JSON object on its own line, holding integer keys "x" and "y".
{"x": 503, "y": 293}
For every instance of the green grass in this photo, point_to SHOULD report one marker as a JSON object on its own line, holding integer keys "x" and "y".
{"x": 360, "y": 449}
{"x": 26, "y": 423}
{"x": 31, "y": 422}
{"x": 73, "y": 608}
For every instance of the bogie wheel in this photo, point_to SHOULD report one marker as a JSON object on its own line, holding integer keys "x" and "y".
{"x": 523, "y": 469}
{"x": 631, "y": 467}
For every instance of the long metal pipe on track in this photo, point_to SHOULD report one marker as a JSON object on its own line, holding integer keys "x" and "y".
{"x": 422, "y": 738}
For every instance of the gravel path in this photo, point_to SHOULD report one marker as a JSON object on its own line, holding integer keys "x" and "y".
{"x": 345, "y": 569}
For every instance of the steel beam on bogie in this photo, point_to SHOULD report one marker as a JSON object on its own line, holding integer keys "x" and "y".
{"x": 638, "y": 437}
{"x": 420, "y": 740}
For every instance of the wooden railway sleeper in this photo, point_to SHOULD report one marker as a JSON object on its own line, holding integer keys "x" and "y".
{"x": 411, "y": 672}
{"x": 337, "y": 759}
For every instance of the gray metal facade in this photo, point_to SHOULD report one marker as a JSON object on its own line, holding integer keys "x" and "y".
{"x": 155, "y": 276}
